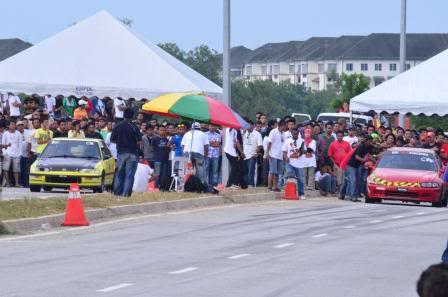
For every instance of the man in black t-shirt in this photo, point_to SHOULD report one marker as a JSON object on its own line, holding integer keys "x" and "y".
{"x": 90, "y": 131}
{"x": 359, "y": 157}
{"x": 161, "y": 155}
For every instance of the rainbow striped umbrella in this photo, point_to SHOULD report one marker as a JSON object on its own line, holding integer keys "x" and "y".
{"x": 200, "y": 108}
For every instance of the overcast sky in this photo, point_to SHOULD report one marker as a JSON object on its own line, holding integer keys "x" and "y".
{"x": 254, "y": 22}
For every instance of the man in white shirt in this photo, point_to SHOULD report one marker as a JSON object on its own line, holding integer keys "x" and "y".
{"x": 291, "y": 125}
{"x": 25, "y": 156}
{"x": 252, "y": 145}
{"x": 275, "y": 154}
{"x": 351, "y": 137}
{"x": 11, "y": 155}
{"x": 119, "y": 106}
{"x": 293, "y": 153}
{"x": 195, "y": 146}
{"x": 235, "y": 154}
{"x": 14, "y": 106}
{"x": 50, "y": 103}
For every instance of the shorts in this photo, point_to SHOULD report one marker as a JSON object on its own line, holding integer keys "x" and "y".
{"x": 15, "y": 161}
{"x": 275, "y": 166}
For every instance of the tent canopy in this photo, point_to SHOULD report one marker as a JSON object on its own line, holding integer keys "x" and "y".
{"x": 420, "y": 90}
{"x": 100, "y": 56}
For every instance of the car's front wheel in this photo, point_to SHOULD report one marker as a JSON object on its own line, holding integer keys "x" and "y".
{"x": 35, "y": 188}
{"x": 102, "y": 187}
{"x": 48, "y": 189}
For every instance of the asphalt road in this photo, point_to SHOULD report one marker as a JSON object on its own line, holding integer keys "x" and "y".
{"x": 309, "y": 248}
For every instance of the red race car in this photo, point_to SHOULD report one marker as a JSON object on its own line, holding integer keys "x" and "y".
{"x": 408, "y": 174}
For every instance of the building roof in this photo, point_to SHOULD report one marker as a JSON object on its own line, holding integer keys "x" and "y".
{"x": 275, "y": 52}
{"x": 340, "y": 46}
{"x": 239, "y": 55}
{"x": 10, "y": 47}
{"x": 386, "y": 46}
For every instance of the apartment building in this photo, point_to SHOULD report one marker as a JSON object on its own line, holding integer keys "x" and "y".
{"x": 314, "y": 62}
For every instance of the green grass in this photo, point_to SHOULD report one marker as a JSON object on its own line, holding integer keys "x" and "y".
{"x": 30, "y": 208}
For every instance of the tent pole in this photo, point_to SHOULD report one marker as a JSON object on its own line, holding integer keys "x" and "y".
{"x": 226, "y": 80}
{"x": 402, "y": 50}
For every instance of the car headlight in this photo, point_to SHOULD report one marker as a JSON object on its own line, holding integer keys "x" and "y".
{"x": 87, "y": 171}
{"x": 429, "y": 185}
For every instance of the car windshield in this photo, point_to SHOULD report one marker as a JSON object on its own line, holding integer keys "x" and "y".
{"x": 408, "y": 160}
{"x": 71, "y": 149}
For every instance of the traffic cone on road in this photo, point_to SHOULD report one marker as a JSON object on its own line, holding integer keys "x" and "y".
{"x": 291, "y": 189}
{"x": 74, "y": 213}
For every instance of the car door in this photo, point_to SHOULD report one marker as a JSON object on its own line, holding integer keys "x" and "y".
{"x": 108, "y": 163}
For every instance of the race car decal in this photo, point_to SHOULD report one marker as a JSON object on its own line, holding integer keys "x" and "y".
{"x": 384, "y": 182}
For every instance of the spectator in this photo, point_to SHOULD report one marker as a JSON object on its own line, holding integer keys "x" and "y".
{"x": 431, "y": 142}
{"x": 214, "y": 151}
{"x": 309, "y": 159}
{"x": 69, "y": 105}
{"x": 148, "y": 148}
{"x": 119, "y": 107}
{"x": 293, "y": 150}
{"x": 161, "y": 155}
{"x": 14, "y": 107}
{"x": 433, "y": 281}
{"x": 76, "y": 131}
{"x": 326, "y": 181}
{"x": 91, "y": 132}
{"x": 176, "y": 148}
{"x": 274, "y": 151}
{"x": 252, "y": 146}
{"x": 195, "y": 146}
{"x": 50, "y": 104}
{"x": 25, "y": 154}
{"x": 337, "y": 152}
{"x": 43, "y": 136}
{"x": 351, "y": 138}
{"x": 128, "y": 139}
{"x": 235, "y": 154}
{"x": 62, "y": 130}
{"x": 81, "y": 112}
{"x": 323, "y": 144}
{"x": 11, "y": 155}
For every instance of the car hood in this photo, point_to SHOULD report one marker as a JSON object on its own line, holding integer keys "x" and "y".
{"x": 66, "y": 164}
{"x": 405, "y": 175}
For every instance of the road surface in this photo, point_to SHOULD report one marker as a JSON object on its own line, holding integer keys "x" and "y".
{"x": 307, "y": 248}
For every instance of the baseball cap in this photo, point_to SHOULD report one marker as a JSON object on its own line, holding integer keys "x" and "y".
{"x": 20, "y": 123}
{"x": 196, "y": 125}
{"x": 82, "y": 102}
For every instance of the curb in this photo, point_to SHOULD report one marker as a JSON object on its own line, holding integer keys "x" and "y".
{"x": 54, "y": 221}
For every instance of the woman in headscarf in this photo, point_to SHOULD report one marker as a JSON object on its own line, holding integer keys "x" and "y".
{"x": 309, "y": 159}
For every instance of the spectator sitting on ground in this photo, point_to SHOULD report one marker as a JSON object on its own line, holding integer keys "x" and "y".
{"x": 433, "y": 281}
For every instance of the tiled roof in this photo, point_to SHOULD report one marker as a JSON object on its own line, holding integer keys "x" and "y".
{"x": 10, "y": 47}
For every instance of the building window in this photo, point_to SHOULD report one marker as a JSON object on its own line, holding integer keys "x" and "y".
{"x": 408, "y": 66}
{"x": 299, "y": 69}
{"x": 304, "y": 68}
{"x": 275, "y": 76}
{"x": 378, "y": 80}
{"x": 331, "y": 67}
{"x": 393, "y": 67}
{"x": 378, "y": 67}
{"x": 320, "y": 68}
{"x": 248, "y": 70}
{"x": 292, "y": 68}
{"x": 349, "y": 67}
{"x": 264, "y": 70}
{"x": 270, "y": 69}
{"x": 364, "y": 67}
{"x": 276, "y": 69}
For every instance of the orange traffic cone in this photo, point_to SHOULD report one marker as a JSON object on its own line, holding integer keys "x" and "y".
{"x": 74, "y": 213}
{"x": 291, "y": 189}
{"x": 151, "y": 186}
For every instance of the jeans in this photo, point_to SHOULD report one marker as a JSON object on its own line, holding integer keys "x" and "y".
{"x": 211, "y": 170}
{"x": 309, "y": 176}
{"x": 24, "y": 171}
{"x": 343, "y": 190}
{"x": 198, "y": 162}
{"x": 298, "y": 173}
{"x": 328, "y": 184}
{"x": 351, "y": 182}
{"x": 361, "y": 186}
{"x": 124, "y": 179}
{"x": 236, "y": 175}
{"x": 162, "y": 170}
{"x": 250, "y": 171}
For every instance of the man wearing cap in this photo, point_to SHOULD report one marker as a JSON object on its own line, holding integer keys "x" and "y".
{"x": 81, "y": 112}
{"x": 195, "y": 146}
{"x": 128, "y": 138}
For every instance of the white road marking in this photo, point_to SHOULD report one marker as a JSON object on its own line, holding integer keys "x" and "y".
{"x": 349, "y": 227}
{"x": 320, "y": 235}
{"x": 185, "y": 270}
{"x": 375, "y": 221}
{"x": 113, "y": 288}
{"x": 283, "y": 245}
{"x": 420, "y": 213}
{"x": 238, "y": 256}
{"x": 397, "y": 217}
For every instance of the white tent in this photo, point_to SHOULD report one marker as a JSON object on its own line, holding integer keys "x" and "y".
{"x": 420, "y": 90}
{"x": 100, "y": 56}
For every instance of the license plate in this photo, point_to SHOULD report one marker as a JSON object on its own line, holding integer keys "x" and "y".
{"x": 62, "y": 175}
{"x": 402, "y": 190}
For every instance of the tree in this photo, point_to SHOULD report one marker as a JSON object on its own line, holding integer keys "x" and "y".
{"x": 126, "y": 21}
{"x": 174, "y": 50}
{"x": 205, "y": 61}
{"x": 351, "y": 86}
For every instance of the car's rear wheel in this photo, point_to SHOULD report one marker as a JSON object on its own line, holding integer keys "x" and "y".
{"x": 35, "y": 188}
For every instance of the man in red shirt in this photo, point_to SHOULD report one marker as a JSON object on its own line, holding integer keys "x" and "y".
{"x": 337, "y": 151}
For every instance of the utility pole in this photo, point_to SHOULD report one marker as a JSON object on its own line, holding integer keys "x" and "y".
{"x": 226, "y": 83}
{"x": 401, "y": 117}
